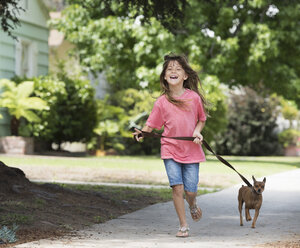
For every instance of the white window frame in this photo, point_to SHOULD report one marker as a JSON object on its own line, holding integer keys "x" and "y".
{"x": 32, "y": 57}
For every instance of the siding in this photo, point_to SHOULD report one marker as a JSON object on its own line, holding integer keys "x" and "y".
{"x": 33, "y": 27}
{"x": 7, "y": 49}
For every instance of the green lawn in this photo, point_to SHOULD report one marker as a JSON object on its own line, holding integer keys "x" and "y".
{"x": 258, "y": 166}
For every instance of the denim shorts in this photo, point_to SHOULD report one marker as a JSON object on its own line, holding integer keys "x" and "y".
{"x": 186, "y": 174}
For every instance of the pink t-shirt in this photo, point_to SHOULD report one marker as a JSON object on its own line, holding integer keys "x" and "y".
{"x": 178, "y": 122}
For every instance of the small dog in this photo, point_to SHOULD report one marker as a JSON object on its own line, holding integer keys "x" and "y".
{"x": 252, "y": 198}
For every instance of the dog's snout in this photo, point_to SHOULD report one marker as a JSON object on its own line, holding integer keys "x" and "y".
{"x": 259, "y": 190}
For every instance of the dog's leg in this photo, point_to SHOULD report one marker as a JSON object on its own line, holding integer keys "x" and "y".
{"x": 248, "y": 216}
{"x": 255, "y": 217}
{"x": 240, "y": 210}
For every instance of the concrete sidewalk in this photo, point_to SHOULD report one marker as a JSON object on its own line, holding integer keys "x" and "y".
{"x": 156, "y": 225}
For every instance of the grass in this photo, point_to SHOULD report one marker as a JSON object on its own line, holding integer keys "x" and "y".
{"x": 12, "y": 218}
{"x": 151, "y": 163}
{"x": 116, "y": 162}
{"x": 146, "y": 169}
{"x": 257, "y": 165}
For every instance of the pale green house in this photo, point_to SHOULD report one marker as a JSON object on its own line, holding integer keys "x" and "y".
{"x": 29, "y": 55}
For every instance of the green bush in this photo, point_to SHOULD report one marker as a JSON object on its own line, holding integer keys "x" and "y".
{"x": 125, "y": 110}
{"x": 251, "y": 126}
{"x": 289, "y": 137}
{"x": 72, "y": 115}
{"x": 109, "y": 128}
{"x": 19, "y": 102}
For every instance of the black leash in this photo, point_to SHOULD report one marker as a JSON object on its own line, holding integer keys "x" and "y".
{"x": 157, "y": 135}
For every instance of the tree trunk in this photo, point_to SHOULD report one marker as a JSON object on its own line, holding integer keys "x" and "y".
{"x": 14, "y": 126}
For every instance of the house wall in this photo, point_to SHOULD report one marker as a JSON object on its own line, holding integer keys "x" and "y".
{"x": 34, "y": 31}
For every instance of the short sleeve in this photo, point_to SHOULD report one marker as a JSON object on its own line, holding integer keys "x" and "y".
{"x": 155, "y": 119}
{"x": 201, "y": 112}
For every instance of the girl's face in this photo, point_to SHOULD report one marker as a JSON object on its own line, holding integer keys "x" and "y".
{"x": 175, "y": 74}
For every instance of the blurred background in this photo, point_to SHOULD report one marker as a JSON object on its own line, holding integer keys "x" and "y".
{"x": 77, "y": 76}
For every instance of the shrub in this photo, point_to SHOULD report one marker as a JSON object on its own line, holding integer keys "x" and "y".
{"x": 289, "y": 137}
{"x": 251, "y": 126}
{"x": 72, "y": 115}
{"x": 19, "y": 103}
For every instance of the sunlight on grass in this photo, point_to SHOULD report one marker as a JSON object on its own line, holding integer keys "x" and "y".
{"x": 145, "y": 165}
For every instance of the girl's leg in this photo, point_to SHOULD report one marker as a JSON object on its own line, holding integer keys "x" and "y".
{"x": 179, "y": 204}
{"x": 190, "y": 197}
{"x": 174, "y": 172}
{"x": 190, "y": 180}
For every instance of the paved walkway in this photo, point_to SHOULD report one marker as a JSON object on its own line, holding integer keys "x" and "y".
{"x": 155, "y": 226}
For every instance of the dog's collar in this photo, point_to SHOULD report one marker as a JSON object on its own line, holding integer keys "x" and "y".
{"x": 254, "y": 191}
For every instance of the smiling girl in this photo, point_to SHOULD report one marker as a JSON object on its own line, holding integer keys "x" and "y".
{"x": 180, "y": 111}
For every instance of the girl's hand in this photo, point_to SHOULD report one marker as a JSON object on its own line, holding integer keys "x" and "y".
{"x": 198, "y": 138}
{"x": 137, "y": 135}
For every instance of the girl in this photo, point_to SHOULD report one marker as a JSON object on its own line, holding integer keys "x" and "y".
{"x": 180, "y": 110}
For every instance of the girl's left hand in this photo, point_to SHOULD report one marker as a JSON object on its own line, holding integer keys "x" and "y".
{"x": 198, "y": 138}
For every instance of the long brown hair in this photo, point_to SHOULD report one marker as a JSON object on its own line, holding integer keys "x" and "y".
{"x": 191, "y": 82}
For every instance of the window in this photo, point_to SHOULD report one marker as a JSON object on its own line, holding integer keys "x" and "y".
{"x": 26, "y": 58}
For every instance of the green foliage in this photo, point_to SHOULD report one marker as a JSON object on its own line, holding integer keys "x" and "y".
{"x": 118, "y": 115}
{"x": 289, "y": 110}
{"x": 8, "y": 235}
{"x": 137, "y": 105}
{"x": 241, "y": 42}
{"x": 110, "y": 124}
{"x": 217, "y": 120}
{"x": 251, "y": 43}
{"x": 17, "y": 99}
{"x": 168, "y": 12}
{"x": 11, "y": 218}
{"x": 72, "y": 116}
{"x": 251, "y": 126}
{"x": 53, "y": 92}
{"x": 126, "y": 50}
{"x": 289, "y": 137}
{"x": 9, "y": 12}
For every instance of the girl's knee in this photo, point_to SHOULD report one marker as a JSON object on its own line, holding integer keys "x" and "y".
{"x": 178, "y": 189}
{"x": 190, "y": 194}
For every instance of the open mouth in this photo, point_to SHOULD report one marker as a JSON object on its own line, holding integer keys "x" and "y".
{"x": 173, "y": 77}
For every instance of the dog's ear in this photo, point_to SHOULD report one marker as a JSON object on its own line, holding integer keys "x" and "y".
{"x": 264, "y": 180}
{"x": 254, "y": 180}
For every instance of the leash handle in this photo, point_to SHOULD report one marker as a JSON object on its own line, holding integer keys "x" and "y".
{"x": 157, "y": 135}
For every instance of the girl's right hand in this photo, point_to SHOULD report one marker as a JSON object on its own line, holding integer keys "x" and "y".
{"x": 137, "y": 135}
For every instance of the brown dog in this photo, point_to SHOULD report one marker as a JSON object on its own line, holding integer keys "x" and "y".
{"x": 252, "y": 198}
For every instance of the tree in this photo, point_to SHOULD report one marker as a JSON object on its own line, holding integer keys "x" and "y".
{"x": 169, "y": 13}
{"x": 242, "y": 42}
{"x": 251, "y": 43}
{"x": 17, "y": 99}
{"x": 9, "y": 10}
{"x": 126, "y": 50}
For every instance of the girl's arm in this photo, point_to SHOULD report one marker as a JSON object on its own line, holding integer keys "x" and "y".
{"x": 137, "y": 132}
{"x": 197, "y": 132}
